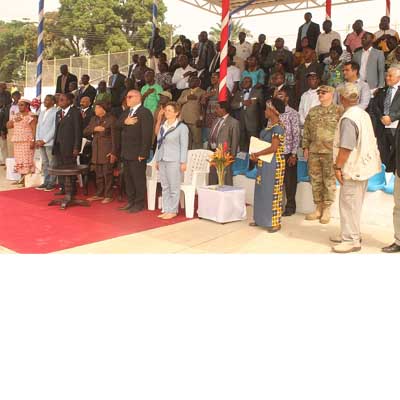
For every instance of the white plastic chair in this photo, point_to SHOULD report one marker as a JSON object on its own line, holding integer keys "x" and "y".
{"x": 196, "y": 175}
{"x": 152, "y": 179}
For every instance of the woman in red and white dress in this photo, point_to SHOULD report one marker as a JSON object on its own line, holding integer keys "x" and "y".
{"x": 24, "y": 125}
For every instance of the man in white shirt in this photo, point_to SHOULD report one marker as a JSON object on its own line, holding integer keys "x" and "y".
{"x": 310, "y": 98}
{"x": 324, "y": 41}
{"x": 243, "y": 50}
{"x": 182, "y": 75}
{"x": 233, "y": 77}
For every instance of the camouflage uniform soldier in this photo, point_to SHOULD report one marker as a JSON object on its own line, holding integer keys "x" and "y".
{"x": 319, "y": 132}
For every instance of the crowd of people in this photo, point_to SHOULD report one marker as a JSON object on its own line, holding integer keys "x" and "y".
{"x": 335, "y": 104}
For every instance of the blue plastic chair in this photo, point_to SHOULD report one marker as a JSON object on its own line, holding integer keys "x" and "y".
{"x": 389, "y": 188}
{"x": 378, "y": 181}
{"x": 302, "y": 172}
{"x": 252, "y": 174}
{"x": 240, "y": 167}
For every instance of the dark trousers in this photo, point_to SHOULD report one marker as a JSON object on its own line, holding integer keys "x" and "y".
{"x": 135, "y": 181}
{"x": 386, "y": 144}
{"x": 245, "y": 135}
{"x": 290, "y": 183}
{"x": 104, "y": 179}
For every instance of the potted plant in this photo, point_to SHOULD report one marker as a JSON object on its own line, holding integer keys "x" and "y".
{"x": 221, "y": 159}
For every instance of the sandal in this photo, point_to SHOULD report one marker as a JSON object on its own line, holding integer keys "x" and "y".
{"x": 252, "y": 224}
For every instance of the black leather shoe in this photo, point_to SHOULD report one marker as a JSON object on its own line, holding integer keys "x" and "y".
{"x": 60, "y": 193}
{"x": 133, "y": 210}
{"x": 393, "y": 248}
{"x": 288, "y": 213}
{"x": 125, "y": 208}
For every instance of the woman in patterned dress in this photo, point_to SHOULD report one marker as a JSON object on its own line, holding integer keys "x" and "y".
{"x": 269, "y": 180}
{"x": 333, "y": 72}
{"x": 24, "y": 125}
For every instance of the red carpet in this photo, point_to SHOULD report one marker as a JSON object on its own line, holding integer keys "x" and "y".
{"x": 29, "y": 225}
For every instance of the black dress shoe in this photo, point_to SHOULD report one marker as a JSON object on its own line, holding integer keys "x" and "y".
{"x": 393, "y": 248}
{"x": 288, "y": 213}
{"x": 60, "y": 193}
{"x": 135, "y": 209}
{"x": 125, "y": 208}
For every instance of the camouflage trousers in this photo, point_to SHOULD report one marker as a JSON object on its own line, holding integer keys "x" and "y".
{"x": 322, "y": 176}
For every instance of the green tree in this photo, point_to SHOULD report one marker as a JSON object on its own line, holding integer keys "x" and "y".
{"x": 236, "y": 28}
{"x": 17, "y": 45}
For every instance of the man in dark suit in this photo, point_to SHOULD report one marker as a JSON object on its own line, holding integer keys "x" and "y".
{"x": 64, "y": 80}
{"x": 250, "y": 103}
{"x": 132, "y": 145}
{"x": 224, "y": 130}
{"x": 387, "y": 116}
{"x": 132, "y": 67}
{"x": 86, "y": 90}
{"x": 68, "y": 135}
{"x": 310, "y": 30}
{"x": 86, "y": 111}
{"x": 206, "y": 50}
{"x": 116, "y": 83}
{"x": 264, "y": 49}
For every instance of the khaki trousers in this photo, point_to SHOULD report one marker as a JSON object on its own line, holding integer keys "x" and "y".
{"x": 3, "y": 150}
{"x": 396, "y": 209}
{"x": 351, "y": 199}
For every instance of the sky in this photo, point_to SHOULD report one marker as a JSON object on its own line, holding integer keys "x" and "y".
{"x": 284, "y": 25}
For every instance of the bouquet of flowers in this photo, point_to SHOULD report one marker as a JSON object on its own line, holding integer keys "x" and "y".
{"x": 221, "y": 159}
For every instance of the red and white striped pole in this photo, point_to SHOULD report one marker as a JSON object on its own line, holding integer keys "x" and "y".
{"x": 223, "y": 69}
{"x": 328, "y": 6}
{"x": 388, "y": 8}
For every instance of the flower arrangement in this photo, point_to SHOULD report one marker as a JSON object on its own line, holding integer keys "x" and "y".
{"x": 221, "y": 159}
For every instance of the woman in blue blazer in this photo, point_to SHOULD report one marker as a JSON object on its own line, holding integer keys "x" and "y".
{"x": 171, "y": 158}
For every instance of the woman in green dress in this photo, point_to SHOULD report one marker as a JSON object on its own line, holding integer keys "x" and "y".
{"x": 268, "y": 190}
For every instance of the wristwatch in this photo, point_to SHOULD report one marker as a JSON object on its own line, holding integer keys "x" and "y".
{"x": 336, "y": 168}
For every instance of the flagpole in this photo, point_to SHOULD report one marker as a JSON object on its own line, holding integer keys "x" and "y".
{"x": 223, "y": 69}
{"x": 40, "y": 50}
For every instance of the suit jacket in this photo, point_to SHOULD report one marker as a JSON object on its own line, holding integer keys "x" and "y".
{"x": 87, "y": 117}
{"x": 252, "y": 117}
{"x": 229, "y": 133}
{"x": 68, "y": 136}
{"x": 131, "y": 68}
{"x": 375, "y": 67}
{"x": 70, "y": 78}
{"x": 264, "y": 51}
{"x": 116, "y": 89}
{"x": 397, "y": 153}
{"x": 3, "y": 119}
{"x": 90, "y": 92}
{"x": 275, "y": 55}
{"x": 214, "y": 65}
{"x": 387, "y": 153}
{"x": 175, "y": 145}
{"x": 206, "y": 54}
{"x": 45, "y": 129}
{"x": 312, "y": 34}
{"x": 132, "y": 141}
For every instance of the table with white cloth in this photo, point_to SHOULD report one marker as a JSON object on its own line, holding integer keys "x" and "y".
{"x": 221, "y": 203}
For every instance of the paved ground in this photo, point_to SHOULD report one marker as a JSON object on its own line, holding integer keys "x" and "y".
{"x": 201, "y": 236}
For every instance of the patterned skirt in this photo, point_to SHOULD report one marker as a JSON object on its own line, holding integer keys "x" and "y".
{"x": 23, "y": 155}
{"x": 268, "y": 192}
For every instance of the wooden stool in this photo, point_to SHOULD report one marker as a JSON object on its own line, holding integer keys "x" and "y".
{"x": 68, "y": 174}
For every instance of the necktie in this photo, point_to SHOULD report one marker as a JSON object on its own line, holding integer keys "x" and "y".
{"x": 62, "y": 114}
{"x": 214, "y": 133}
{"x": 388, "y": 101}
{"x": 83, "y": 114}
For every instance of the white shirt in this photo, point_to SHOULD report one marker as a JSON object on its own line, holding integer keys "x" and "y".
{"x": 134, "y": 109}
{"x": 233, "y": 75}
{"x": 243, "y": 50}
{"x": 179, "y": 80}
{"x": 46, "y": 113}
{"x": 364, "y": 61}
{"x": 65, "y": 111}
{"x": 308, "y": 100}
{"x": 324, "y": 42}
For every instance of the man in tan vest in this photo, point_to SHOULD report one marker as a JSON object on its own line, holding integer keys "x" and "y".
{"x": 356, "y": 158}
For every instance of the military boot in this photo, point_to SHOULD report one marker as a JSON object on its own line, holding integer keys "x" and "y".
{"x": 326, "y": 215}
{"x": 316, "y": 214}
